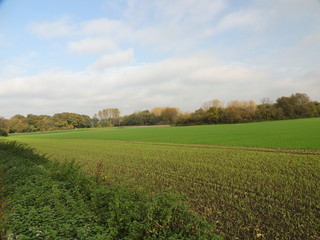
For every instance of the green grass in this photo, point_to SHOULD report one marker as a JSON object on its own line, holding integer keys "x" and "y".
{"x": 299, "y": 134}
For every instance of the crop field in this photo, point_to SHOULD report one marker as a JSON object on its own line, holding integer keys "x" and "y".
{"x": 256, "y": 180}
{"x": 299, "y": 134}
{"x": 247, "y": 191}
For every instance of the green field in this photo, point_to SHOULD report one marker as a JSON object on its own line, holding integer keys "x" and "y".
{"x": 257, "y": 180}
{"x": 299, "y": 134}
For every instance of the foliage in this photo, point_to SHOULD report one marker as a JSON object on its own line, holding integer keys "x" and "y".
{"x": 109, "y": 117}
{"x": 211, "y": 115}
{"x": 3, "y": 132}
{"x": 169, "y": 115}
{"x": 71, "y": 120}
{"x": 296, "y": 106}
{"x": 3, "y": 123}
{"x": 59, "y": 121}
{"x": 51, "y": 200}
{"x": 141, "y": 118}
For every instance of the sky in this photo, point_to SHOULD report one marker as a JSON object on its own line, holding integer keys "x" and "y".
{"x": 83, "y": 56}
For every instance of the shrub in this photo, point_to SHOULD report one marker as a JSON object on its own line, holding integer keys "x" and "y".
{"x": 3, "y": 132}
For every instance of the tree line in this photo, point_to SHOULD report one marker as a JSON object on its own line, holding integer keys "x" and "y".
{"x": 297, "y": 105}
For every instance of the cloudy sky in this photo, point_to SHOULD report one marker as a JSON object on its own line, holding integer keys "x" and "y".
{"x": 83, "y": 56}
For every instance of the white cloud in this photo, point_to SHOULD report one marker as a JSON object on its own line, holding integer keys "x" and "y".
{"x": 159, "y": 23}
{"x": 247, "y": 19}
{"x": 163, "y": 26}
{"x": 172, "y": 12}
{"x": 305, "y": 52}
{"x": 92, "y": 45}
{"x": 58, "y": 28}
{"x": 112, "y": 60}
{"x": 289, "y": 9}
{"x": 101, "y": 26}
{"x": 181, "y": 82}
{"x": 171, "y": 26}
{"x": 259, "y": 51}
{"x": 17, "y": 66}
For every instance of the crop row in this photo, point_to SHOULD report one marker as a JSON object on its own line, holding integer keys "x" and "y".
{"x": 239, "y": 211}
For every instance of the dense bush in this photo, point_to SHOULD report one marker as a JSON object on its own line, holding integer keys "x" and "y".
{"x": 3, "y": 132}
{"x": 50, "y": 200}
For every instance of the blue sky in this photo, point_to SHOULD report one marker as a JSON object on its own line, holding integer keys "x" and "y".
{"x": 83, "y": 56}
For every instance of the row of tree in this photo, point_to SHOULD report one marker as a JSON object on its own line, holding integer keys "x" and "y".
{"x": 111, "y": 117}
{"x": 295, "y": 106}
{"x": 33, "y": 123}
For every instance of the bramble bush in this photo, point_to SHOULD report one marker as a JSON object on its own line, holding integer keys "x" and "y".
{"x": 51, "y": 200}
